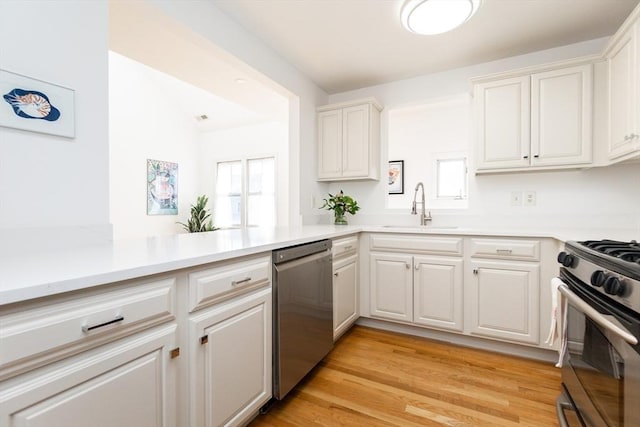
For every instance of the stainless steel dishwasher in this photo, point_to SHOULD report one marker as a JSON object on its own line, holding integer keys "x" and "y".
{"x": 303, "y": 312}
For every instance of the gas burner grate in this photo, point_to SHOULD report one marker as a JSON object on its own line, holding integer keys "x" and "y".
{"x": 630, "y": 255}
{"x": 614, "y": 248}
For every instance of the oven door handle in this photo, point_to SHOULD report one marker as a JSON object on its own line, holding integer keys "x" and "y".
{"x": 597, "y": 317}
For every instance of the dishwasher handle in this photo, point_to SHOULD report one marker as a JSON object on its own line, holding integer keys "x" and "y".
{"x": 294, "y": 252}
{"x": 317, "y": 257}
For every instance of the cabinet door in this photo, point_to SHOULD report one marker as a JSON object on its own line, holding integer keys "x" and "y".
{"x": 503, "y": 116}
{"x": 438, "y": 295}
{"x": 231, "y": 360}
{"x": 355, "y": 141}
{"x": 503, "y": 298}
{"x": 391, "y": 287}
{"x": 330, "y": 144}
{"x": 561, "y": 103}
{"x": 345, "y": 294}
{"x": 622, "y": 96}
{"x": 130, "y": 382}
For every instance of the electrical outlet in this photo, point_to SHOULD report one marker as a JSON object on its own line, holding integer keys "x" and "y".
{"x": 516, "y": 198}
{"x": 530, "y": 198}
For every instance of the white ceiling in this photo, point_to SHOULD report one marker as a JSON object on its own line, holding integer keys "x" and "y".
{"x": 349, "y": 44}
{"x": 200, "y": 77}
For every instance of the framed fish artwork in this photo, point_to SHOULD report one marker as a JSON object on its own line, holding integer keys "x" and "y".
{"x": 36, "y": 106}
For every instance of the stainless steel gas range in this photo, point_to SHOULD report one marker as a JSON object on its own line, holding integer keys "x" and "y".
{"x": 601, "y": 368}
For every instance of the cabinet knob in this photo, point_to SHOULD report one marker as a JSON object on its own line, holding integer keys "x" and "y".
{"x": 417, "y": 267}
{"x": 536, "y": 156}
{"x": 525, "y": 157}
{"x": 335, "y": 274}
{"x": 475, "y": 271}
{"x": 407, "y": 265}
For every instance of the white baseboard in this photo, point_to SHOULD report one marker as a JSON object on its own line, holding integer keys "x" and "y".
{"x": 464, "y": 340}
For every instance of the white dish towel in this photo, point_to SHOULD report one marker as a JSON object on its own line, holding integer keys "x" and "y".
{"x": 558, "y": 329}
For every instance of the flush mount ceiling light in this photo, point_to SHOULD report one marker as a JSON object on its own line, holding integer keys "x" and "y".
{"x": 430, "y": 17}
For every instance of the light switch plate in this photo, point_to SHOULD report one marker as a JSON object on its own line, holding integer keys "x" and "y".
{"x": 530, "y": 198}
{"x": 516, "y": 198}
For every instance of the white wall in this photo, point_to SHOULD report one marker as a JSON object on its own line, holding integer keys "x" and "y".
{"x": 61, "y": 186}
{"x": 591, "y": 198}
{"x": 145, "y": 123}
{"x": 259, "y": 140}
{"x": 420, "y": 135}
{"x": 49, "y": 184}
{"x": 208, "y": 21}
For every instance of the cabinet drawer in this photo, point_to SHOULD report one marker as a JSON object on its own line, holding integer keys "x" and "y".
{"x": 222, "y": 282}
{"x": 528, "y": 250}
{"x": 344, "y": 246}
{"x": 48, "y": 332}
{"x": 427, "y": 245}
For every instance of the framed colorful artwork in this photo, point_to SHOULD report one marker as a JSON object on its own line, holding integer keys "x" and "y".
{"x": 396, "y": 177}
{"x": 36, "y": 106}
{"x": 162, "y": 188}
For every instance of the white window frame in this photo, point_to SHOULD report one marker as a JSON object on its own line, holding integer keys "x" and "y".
{"x": 447, "y": 202}
{"x": 244, "y": 186}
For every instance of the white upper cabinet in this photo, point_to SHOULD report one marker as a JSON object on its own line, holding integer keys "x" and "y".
{"x": 349, "y": 141}
{"x": 537, "y": 120}
{"x": 561, "y": 107}
{"x": 623, "y": 60}
{"x": 503, "y": 114}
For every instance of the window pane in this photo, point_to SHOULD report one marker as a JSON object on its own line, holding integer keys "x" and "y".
{"x": 452, "y": 178}
{"x": 228, "y": 203}
{"x": 261, "y": 175}
{"x": 261, "y": 203}
{"x": 261, "y": 210}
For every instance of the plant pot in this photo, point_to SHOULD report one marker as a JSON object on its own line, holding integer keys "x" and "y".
{"x": 340, "y": 220}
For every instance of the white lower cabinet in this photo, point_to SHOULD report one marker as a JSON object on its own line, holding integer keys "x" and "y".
{"x": 391, "y": 287}
{"x": 496, "y": 291}
{"x": 438, "y": 292}
{"x": 503, "y": 300}
{"x": 417, "y": 289}
{"x": 230, "y": 360}
{"x": 128, "y": 383}
{"x": 345, "y": 294}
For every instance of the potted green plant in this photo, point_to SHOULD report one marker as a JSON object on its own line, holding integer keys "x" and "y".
{"x": 199, "y": 216}
{"x": 340, "y": 204}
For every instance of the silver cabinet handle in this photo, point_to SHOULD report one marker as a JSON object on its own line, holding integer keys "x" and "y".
{"x": 240, "y": 282}
{"x": 594, "y": 315}
{"x": 504, "y": 251}
{"x": 87, "y": 328}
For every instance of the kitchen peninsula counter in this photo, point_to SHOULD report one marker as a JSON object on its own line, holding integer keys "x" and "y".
{"x": 43, "y": 273}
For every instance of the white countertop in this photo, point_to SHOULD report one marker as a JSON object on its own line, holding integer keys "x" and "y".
{"x": 43, "y": 273}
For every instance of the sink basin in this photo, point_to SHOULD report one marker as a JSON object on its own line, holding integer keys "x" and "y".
{"x": 423, "y": 227}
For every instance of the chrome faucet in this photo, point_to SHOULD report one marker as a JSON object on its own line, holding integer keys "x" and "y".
{"x": 424, "y": 218}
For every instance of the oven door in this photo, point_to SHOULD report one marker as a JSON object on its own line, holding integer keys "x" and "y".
{"x": 602, "y": 371}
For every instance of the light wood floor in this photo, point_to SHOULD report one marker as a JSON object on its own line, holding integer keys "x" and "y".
{"x": 379, "y": 378}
